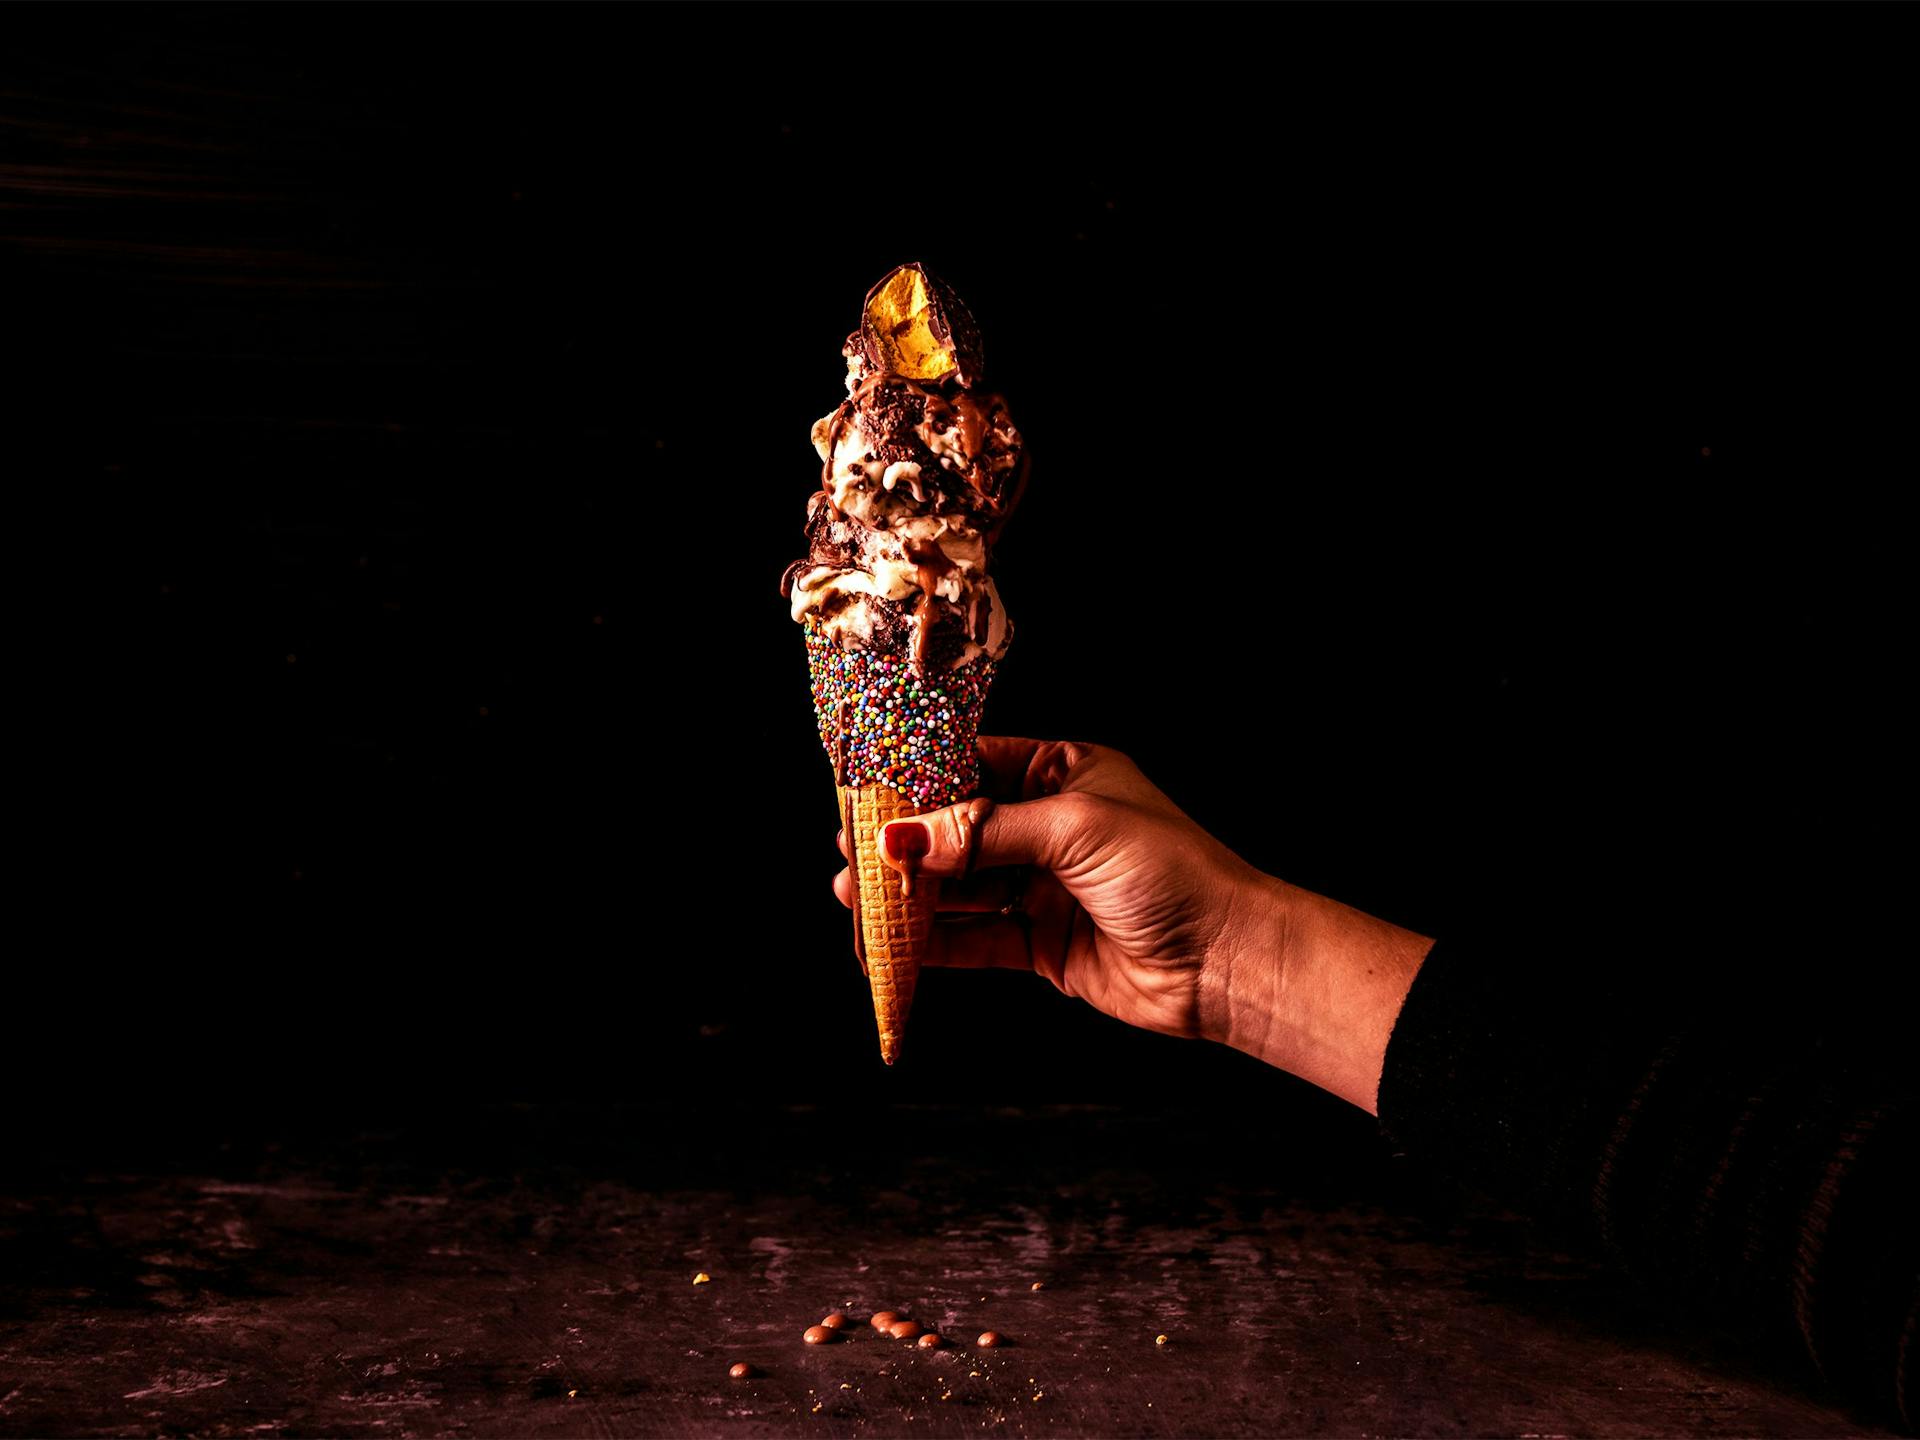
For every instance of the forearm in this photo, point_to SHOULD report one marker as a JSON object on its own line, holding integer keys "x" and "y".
{"x": 1312, "y": 986}
{"x": 1767, "y": 1172}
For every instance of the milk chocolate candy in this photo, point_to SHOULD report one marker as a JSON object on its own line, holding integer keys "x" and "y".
{"x": 914, "y": 326}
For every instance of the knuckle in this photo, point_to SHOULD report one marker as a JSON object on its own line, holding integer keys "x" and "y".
{"x": 1084, "y": 811}
{"x": 949, "y": 834}
{"x": 1052, "y": 762}
{"x": 1086, "y": 822}
{"x": 1089, "y": 753}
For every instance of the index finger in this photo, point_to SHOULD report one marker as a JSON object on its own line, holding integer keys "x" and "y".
{"x": 1015, "y": 768}
{"x": 1004, "y": 762}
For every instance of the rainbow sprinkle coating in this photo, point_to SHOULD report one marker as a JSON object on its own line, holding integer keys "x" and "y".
{"x": 913, "y": 732}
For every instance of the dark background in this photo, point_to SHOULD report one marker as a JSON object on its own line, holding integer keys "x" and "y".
{"x": 1464, "y": 446}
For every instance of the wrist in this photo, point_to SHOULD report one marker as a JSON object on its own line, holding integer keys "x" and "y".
{"x": 1311, "y": 986}
{"x": 1239, "y": 979}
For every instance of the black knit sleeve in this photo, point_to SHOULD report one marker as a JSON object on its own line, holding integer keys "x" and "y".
{"x": 1758, "y": 1164}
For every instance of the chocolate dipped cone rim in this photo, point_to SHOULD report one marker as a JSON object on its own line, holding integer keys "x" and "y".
{"x": 884, "y": 723}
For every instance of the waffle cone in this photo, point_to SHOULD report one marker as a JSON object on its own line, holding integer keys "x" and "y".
{"x": 892, "y": 922}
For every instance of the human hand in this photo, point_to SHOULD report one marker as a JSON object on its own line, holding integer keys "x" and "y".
{"x": 1076, "y": 866}
{"x": 1073, "y": 864}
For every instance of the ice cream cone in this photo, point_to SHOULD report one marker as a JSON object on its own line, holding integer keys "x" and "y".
{"x": 919, "y": 467}
{"x": 892, "y": 915}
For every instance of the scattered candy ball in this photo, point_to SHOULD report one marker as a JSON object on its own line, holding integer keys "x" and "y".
{"x": 703, "y": 1278}
{"x": 740, "y": 1370}
{"x": 929, "y": 1341}
{"x": 1039, "y": 1285}
{"x": 881, "y": 1319}
{"x": 836, "y": 1320}
{"x": 1159, "y": 1339}
{"x": 903, "y": 1329}
{"x": 988, "y": 1339}
{"x": 817, "y": 1335}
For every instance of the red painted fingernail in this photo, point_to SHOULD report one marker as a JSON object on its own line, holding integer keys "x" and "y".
{"x": 906, "y": 841}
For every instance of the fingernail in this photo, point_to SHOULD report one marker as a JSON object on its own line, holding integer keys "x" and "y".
{"x": 906, "y": 840}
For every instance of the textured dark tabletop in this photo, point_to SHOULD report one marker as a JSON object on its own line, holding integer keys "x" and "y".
{"x": 533, "y": 1272}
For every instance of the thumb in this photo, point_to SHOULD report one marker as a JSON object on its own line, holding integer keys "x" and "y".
{"x": 980, "y": 834}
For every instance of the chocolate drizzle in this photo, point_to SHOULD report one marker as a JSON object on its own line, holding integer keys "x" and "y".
{"x": 840, "y": 745}
{"x": 930, "y": 562}
{"x": 792, "y": 573}
{"x": 894, "y": 409}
